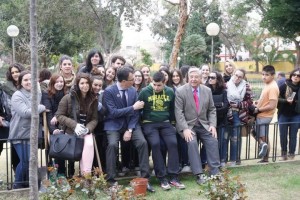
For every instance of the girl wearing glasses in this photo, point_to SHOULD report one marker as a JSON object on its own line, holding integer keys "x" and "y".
{"x": 289, "y": 114}
{"x": 217, "y": 86}
{"x": 239, "y": 95}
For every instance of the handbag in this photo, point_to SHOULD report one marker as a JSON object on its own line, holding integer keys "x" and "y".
{"x": 67, "y": 146}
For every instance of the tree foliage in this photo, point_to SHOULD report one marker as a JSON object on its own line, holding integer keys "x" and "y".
{"x": 146, "y": 57}
{"x": 200, "y": 15}
{"x": 70, "y": 27}
{"x": 282, "y": 18}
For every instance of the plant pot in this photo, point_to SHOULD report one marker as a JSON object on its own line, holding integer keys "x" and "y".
{"x": 139, "y": 186}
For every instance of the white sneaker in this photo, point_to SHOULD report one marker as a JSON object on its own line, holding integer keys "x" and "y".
{"x": 186, "y": 169}
{"x": 137, "y": 171}
{"x": 223, "y": 164}
{"x": 153, "y": 173}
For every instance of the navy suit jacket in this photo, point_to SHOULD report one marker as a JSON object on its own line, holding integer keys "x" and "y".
{"x": 118, "y": 116}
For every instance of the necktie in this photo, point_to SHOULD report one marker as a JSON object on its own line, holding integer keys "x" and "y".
{"x": 124, "y": 100}
{"x": 196, "y": 99}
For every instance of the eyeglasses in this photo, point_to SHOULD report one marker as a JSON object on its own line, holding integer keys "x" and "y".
{"x": 212, "y": 77}
{"x": 240, "y": 77}
{"x": 298, "y": 75}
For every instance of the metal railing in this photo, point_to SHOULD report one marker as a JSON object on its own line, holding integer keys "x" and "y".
{"x": 248, "y": 145}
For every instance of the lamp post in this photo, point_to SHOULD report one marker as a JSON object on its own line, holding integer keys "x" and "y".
{"x": 268, "y": 49}
{"x": 178, "y": 61}
{"x": 212, "y": 29}
{"x": 285, "y": 56}
{"x": 13, "y": 31}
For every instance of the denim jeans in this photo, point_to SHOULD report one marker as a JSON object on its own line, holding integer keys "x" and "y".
{"x": 288, "y": 125}
{"x": 223, "y": 142}
{"x": 22, "y": 170}
{"x": 235, "y": 137}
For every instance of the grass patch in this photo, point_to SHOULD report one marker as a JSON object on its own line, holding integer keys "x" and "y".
{"x": 274, "y": 181}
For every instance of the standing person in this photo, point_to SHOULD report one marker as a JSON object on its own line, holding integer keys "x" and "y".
{"x": 86, "y": 110}
{"x": 99, "y": 132}
{"x": 265, "y": 109}
{"x": 157, "y": 118}
{"x": 204, "y": 73}
{"x": 19, "y": 132}
{"x": 219, "y": 94}
{"x": 176, "y": 78}
{"x": 66, "y": 70}
{"x": 139, "y": 81}
{"x": 146, "y": 71}
{"x": 44, "y": 77}
{"x": 109, "y": 77}
{"x": 120, "y": 101}
{"x": 289, "y": 114}
{"x": 117, "y": 62}
{"x": 9, "y": 87}
{"x": 50, "y": 99}
{"x": 168, "y": 78}
{"x": 239, "y": 97}
{"x": 93, "y": 59}
{"x": 196, "y": 119}
{"x": 280, "y": 78}
{"x": 5, "y": 116}
{"x": 229, "y": 68}
{"x": 177, "y": 81}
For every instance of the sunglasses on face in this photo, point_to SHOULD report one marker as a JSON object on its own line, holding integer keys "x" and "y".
{"x": 212, "y": 77}
{"x": 298, "y": 75}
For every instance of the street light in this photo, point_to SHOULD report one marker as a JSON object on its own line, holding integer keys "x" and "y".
{"x": 13, "y": 31}
{"x": 268, "y": 49}
{"x": 212, "y": 29}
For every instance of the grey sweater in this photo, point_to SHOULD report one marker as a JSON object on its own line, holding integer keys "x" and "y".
{"x": 21, "y": 115}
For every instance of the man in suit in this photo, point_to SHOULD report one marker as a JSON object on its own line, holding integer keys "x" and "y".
{"x": 196, "y": 119}
{"x": 121, "y": 121}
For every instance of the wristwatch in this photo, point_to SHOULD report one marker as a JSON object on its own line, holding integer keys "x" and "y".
{"x": 130, "y": 130}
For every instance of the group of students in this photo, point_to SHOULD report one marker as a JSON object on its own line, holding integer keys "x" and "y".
{"x": 167, "y": 114}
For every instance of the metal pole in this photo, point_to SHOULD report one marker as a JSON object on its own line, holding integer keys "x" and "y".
{"x": 212, "y": 52}
{"x": 13, "y": 47}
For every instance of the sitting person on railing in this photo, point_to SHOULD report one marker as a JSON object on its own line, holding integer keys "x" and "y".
{"x": 289, "y": 114}
{"x": 19, "y": 132}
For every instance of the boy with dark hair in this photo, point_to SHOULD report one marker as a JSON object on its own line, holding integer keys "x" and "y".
{"x": 158, "y": 117}
{"x": 265, "y": 109}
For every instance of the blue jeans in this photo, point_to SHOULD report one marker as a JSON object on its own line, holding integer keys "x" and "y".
{"x": 235, "y": 138}
{"x": 223, "y": 142}
{"x": 22, "y": 170}
{"x": 288, "y": 125}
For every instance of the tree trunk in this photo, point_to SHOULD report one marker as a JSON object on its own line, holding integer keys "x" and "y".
{"x": 34, "y": 127}
{"x": 297, "y": 65}
{"x": 183, "y": 17}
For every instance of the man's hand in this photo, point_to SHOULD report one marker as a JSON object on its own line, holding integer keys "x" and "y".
{"x": 138, "y": 105}
{"x": 188, "y": 135}
{"x": 213, "y": 131}
{"x": 127, "y": 136}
